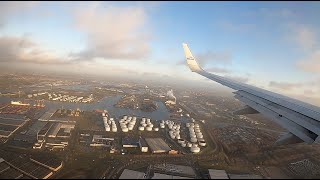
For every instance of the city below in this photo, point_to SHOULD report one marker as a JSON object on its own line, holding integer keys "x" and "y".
{"x": 53, "y": 127}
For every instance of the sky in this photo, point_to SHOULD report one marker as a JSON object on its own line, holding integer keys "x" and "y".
{"x": 272, "y": 45}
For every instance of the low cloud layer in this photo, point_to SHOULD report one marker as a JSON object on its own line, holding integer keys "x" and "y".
{"x": 23, "y": 49}
{"x": 113, "y": 33}
{"x": 8, "y": 8}
{"x": 307, "y": 39}
{"x": 311, "y": 63}
{"x": 284, "y": 85}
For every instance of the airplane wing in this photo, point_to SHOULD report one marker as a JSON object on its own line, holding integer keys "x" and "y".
{"x": 302, "y": 120}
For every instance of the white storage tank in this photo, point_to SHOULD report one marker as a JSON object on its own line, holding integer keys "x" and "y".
{"x": 125, "y": 130}
{"x": 193, "y": 140}
{"x": 149, "y": 128}
{"x": 130, "y": 128}
{"x": 114, "y": 129}
{"x": 107, "y": 128}
{"x": 156, "y": 129}
{"x": 125, "y": 117}
{"x": 195, "y": 149}
{"x": 199, "y": 135}
{"x": 202, "y": 143}
{"x": 141, "y": 128}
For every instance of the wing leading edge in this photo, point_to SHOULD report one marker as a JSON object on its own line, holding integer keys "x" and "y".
{"x": 302, "y": 120}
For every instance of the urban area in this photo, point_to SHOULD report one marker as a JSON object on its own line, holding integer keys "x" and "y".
{"x": 53, "y": 127}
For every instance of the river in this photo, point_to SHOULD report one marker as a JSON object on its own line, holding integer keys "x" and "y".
{"x": 106, "y": 103}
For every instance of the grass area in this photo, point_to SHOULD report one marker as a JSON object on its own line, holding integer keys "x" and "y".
{"x": 83, "y": 166}
{"x": 90, "y": 121}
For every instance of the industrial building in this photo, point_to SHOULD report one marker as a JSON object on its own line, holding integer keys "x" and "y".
{"x": 217, "y": 174}
{"x": 244, "y": 176}
{"x": 54, "y": 135}
{"x": 54, "y": 116}
{"x": 173, "y": 170}
{"x": 47, "y": 115}
{"x": 10, "y": 123}
{"x": 130, "y": 174}
{"x": 157, "y": 145}
{"x": 166, "y": 176}
{"x": 101, "y": 141}
{"x": 143, "y": 145}
{"x": 130, "y": 142}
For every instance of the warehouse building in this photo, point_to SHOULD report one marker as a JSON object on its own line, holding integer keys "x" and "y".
{"x": 130, "y": 142}
{"x": 157, "y": 145}
{"x": 217, "y": 174}
{"x": 173, "y": 170}
{"x": 143, "y": 145}
{"x": 166, "y": 176}
{"x": 130, "y": 174}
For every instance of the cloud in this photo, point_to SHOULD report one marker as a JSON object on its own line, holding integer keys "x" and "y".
{"x": 23, "y": 49}
{"x": 113, "y": 32}
{"x": 276, "y": 13}
{"x": 284, "y": 85}
{"x": 305, "y": 37}
{"x": 8, "y": 8}
{"x": 310, "y": 63}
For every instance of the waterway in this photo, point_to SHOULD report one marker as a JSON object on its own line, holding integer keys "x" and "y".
{"x": 107, "y": 103}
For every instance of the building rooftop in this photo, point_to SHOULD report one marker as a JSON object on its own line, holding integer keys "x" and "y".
{"x": 130, "y": 174}
{"x": 143, "y": 143}
{"x": 244, "y": 176}
{"x": 157, "y": 145}
{"x": 130, "y": 141}
{"x": 218, "y": 174}
{"x": 166, "y": 176}
{"x": 173, "y": 169}
{"x": 54, "y": 130}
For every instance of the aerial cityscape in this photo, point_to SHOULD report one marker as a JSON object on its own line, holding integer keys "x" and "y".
{"x": 90, "y": 90}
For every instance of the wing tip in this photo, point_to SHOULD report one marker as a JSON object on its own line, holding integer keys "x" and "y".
{"x": 191, "y": 61}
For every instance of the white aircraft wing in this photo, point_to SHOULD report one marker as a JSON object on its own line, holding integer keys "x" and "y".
{"x": 302, "y": 120}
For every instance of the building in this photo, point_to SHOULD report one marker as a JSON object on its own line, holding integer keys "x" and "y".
{"x": 101, "y": 141}
{"x": 130, "y": 142}
{"x": 174, "y": 170}
{"x": 244, "y": 176}
{"x": 143, "y": 145}
{"x": 157, "y": 145}
{"x": 130, "y": 174}
{"x": 54, "y": 135}
{"x": 47, "y": 115}
{"x": 166, "y": 176}
{"x": 218, "y": 174}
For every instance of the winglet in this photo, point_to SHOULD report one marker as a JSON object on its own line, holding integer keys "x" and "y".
{"x": 192, "y": 63}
